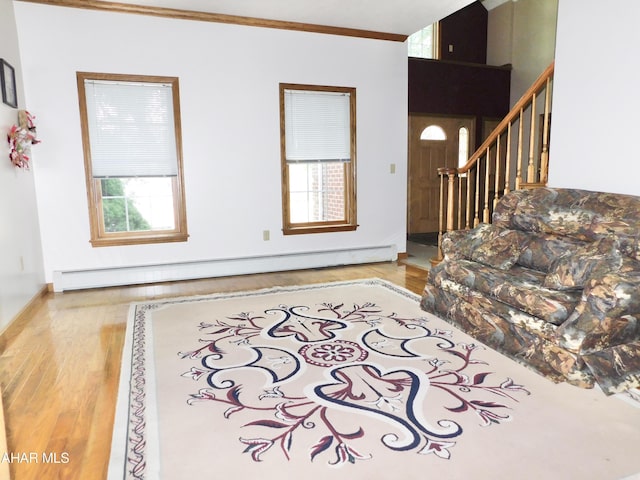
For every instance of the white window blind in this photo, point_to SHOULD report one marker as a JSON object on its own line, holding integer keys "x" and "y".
{"x": 131, "y": 129}
{"x": 317, "y": 126}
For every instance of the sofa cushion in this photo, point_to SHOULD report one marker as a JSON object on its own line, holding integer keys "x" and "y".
{"x": 521, "y": 288}
{"x": 501, "y": 249}
{"x": 561, "y": 220}
{"x": 461, "y": 243}
{"x": 496, "y": 247}
{"x": 542, "y": 249}
{"x": 572, "y": 269}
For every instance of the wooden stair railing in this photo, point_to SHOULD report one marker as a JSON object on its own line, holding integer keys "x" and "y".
{"x": 468, "y": 194}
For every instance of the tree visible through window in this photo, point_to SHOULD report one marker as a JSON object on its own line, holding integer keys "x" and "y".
{"x": 133, "y": 161}
{"x": 318, "y": 158}
{"x": 120, "y": 211}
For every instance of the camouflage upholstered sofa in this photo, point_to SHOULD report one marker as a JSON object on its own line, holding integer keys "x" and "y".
{"x": 553, "y": 282}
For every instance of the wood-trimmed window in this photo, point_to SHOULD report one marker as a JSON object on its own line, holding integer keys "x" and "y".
{"x": 424, "y": 42}
{"x": 133, "y": 158}
{"x": 318, "y": 145}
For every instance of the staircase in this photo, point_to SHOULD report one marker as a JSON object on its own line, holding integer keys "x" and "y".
{"x": 514, "y": 156}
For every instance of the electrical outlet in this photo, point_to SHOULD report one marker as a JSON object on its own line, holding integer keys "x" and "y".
{"x": 266, "y": 235}
{"x": 450, "y": 48}
{"x": 392, "y": 168}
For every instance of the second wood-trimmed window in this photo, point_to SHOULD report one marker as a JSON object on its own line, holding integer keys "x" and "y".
{"x": 318, "y": 144}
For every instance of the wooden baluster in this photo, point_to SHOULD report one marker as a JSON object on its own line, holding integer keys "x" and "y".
{"x": 487, "y": 185}
{"x": 451, "y": 173}
{"x": 459, "y": 202}
{"x": 468, "y": 209}
{"x": 519, "y": 156}
{"x": 476, "y": 218}
{"x": 507, "y": 166}
{"x": 439, "y": 256}
{"x": 496, "y": 186}
{"x": 531, "y": 170}
{"x": 544, "y": 157}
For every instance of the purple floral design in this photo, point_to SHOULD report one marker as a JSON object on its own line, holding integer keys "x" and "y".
{"x": 242, "y": 328}
{"x": 333, "y": 353}
{"x": 343, "y": 376}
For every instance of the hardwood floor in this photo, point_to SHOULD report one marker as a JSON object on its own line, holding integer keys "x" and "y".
{"x": 59, "y": 369}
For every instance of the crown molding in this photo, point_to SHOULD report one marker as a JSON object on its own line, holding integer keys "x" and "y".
{"x": 219, "y": 18}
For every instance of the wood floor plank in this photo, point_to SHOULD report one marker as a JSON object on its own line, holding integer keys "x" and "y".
{"x": 59, "y": 371}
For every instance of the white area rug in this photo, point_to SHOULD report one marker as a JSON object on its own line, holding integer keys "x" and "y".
{"x": 347, "y": 380}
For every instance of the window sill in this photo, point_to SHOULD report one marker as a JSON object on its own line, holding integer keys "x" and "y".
{"x": 301, "y": 230}
{"x": 139, "y": 239}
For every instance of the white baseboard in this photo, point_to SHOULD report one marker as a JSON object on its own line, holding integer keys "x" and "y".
{"x": 140, "y": 274}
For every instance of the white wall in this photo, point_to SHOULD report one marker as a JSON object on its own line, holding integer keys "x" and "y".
{"x": 500, "y": 34}
{"x": 229, "y": 79}
{"x": 522, "y": 33}
{"x": 596, "y": 101}
{"x": 534, "y": 37}
{"x": 21, "y": 270}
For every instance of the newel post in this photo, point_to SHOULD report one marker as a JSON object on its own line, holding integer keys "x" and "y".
{"x": 450, "y": 214}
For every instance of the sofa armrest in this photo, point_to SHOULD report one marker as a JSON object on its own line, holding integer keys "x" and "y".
{"x": 493, "y": 246}
{"x": 452, "y": 242}
{"x": 608, "y": 313}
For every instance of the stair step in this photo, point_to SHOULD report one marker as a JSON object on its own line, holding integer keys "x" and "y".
{"x": 532, "y": 185}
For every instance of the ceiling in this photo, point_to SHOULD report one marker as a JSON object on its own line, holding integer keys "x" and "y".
{"x": 389, "y": 16}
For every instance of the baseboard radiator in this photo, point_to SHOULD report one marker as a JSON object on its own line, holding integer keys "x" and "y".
{"x": 167, "y": 272}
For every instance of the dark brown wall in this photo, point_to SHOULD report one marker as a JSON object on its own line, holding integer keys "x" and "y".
{"x": 457, "y": 88}
{"x": 451, "y": 88}
{"x": 463, "y": 35}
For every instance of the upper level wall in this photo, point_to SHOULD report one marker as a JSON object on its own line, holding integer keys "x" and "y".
{"x": 457, "y": 88}
{"x": 452, "y": 88}
{"x": 500, "y": 35}
{"x": 463, "y": 35}
{"x": 522, "y": 34}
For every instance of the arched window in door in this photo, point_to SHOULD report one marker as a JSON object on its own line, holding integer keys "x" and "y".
{"x": 463, "y": 146}
{"x": 433, "y": 132}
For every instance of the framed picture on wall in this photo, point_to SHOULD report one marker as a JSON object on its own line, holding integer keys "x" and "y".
{"x": 8, "y": 81}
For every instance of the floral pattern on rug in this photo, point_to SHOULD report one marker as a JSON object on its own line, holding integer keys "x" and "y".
{"x": 319, "y": 383}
